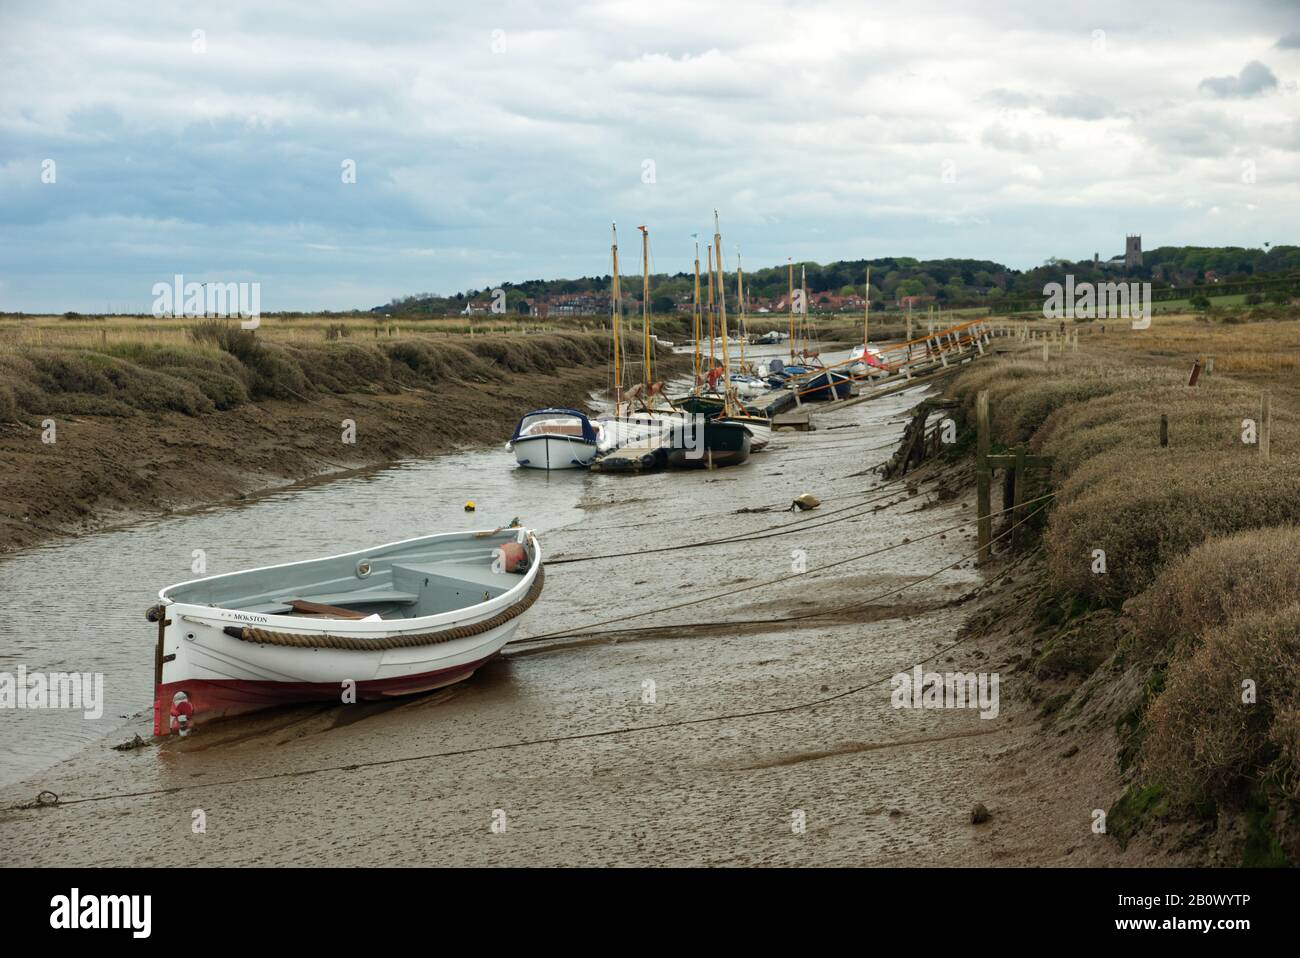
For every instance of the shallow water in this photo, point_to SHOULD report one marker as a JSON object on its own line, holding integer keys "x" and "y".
{"x": 78, "y": 605}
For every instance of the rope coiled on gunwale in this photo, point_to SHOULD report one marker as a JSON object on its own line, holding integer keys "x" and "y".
{"x": 313, "y": 640}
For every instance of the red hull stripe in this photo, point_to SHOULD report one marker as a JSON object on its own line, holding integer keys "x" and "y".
{"x": 218, "y": 698}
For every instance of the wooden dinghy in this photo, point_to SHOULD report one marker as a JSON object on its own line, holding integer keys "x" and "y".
{"x": 394, "y": 619}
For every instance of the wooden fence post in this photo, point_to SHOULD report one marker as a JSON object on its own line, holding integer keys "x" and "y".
{"x": 1164, "y": 430}
{"x": 983, "y": 476}
{"x": 1018, "y": 497}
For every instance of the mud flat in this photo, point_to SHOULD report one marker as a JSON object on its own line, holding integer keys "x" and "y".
{"x": 741, "y": 729}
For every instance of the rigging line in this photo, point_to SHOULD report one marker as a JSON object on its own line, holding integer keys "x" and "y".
{"x": 505, "y": 746}
{"x": 767, "y": 582}
{"x": 576, "y": 526}
{"x": 767, "y": 533}
{"x": 803, "y": 616}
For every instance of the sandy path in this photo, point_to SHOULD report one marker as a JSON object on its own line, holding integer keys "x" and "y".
{"x": 876, "y": 785}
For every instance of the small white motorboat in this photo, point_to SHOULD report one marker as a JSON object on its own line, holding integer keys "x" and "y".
{"x": 866, "y": 361}
{"x": 554, "y": 439}
{"x": 749, "y": 387}
{"x": 391, "y": 620}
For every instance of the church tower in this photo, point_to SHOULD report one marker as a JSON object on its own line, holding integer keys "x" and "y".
{"x": 1132, "y": 251}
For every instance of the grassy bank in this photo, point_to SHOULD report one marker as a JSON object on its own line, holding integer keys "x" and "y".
{"x": 218, "y": 366}
{"x": 102, "y": 432}
{"x": 1169, "y": 582}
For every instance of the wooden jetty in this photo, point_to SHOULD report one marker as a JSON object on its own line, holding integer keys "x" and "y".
{"x": 638, "y": 458}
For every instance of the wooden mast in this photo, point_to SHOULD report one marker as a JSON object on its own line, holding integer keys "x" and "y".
{"x": 803, "y": 292}
{"x": 712, "y": 361}
{"x": 696, "y": 310}
{"x": 616, "y": 310}
{"x": 791, "y": 299}
{"x": 866, "y": 318}
{"x": 645, "y": 310}
{"x": 722, "y": 320}
{"x": 740, "y": 295}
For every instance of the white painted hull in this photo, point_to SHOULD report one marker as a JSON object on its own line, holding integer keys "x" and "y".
{"x": 760, "y": 436}
{"x": 553, "y": 452}
{"x": 208, "y": 653}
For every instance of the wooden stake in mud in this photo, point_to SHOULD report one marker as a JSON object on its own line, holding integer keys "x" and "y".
{"x": 1164, "y": 430}
{"x": 983, "y": 476}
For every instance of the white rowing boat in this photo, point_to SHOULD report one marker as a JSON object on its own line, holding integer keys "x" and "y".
{"x": 394, "y": 619}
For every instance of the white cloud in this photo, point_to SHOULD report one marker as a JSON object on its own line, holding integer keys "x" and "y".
{"x": 817, "y": 126}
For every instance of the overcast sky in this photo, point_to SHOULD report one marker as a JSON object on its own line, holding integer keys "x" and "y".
{"x": 498, "y": 141}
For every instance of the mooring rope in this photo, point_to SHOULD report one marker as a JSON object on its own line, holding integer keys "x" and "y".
{"x": 505, "y": 746}
{"x": 569, "y": 633}
{"x": 761, "y": 533}
{"x": 855, "y": 607}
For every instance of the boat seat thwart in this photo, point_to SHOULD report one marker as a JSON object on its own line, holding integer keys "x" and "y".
{"x": 303, "y": 607}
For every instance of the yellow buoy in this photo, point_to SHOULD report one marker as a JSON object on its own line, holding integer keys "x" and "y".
{"x": 469, "y": 506}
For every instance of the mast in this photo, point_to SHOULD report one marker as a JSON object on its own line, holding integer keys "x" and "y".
{"x": 803, "y": 289}
{"x": 791, "y": 300}
{"x": 740, "y": 295}
{"x": 722, "y": 320}
{"x": 711, "y": 359}
{"x": 695, "y": 309}
{"x": 645, "y": 308}
{"x": 616, "y": 310}
{"x": 866, "y": 317}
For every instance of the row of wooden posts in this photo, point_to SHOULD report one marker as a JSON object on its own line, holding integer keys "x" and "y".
{"x": 1018, "y": 462}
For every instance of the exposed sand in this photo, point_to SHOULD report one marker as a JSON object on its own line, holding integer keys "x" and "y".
{"x": 558, "y": 737}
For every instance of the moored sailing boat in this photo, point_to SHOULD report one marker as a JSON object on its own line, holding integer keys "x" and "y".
{"x": 725, "y": 441}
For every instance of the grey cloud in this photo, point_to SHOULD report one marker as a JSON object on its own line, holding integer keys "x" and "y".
{"x": 1289, "y": 42}
{"x": 1255, "y": 78}
{"x": 1000, "y": 137}
{"x": 1070, "y": 106}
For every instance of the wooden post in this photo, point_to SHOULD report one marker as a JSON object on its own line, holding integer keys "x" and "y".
{"x": 983, "y": 476}
{"x": 1209, "y": 365}
{"x": 1265, "y": 421}
{"x": 161, "y": 722}
{"x": 1164, "y": 430}
{"x": 1046, "y": 347}
{"x": 1018, "y": 496}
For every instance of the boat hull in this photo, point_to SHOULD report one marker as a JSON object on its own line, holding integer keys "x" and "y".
{"x": 760, "y": 430}
{"x": 826, "y": 386}
{"x": 235, "y": 644}
{"x": 724, "y": 444}
{"x": 553, "y": 452}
